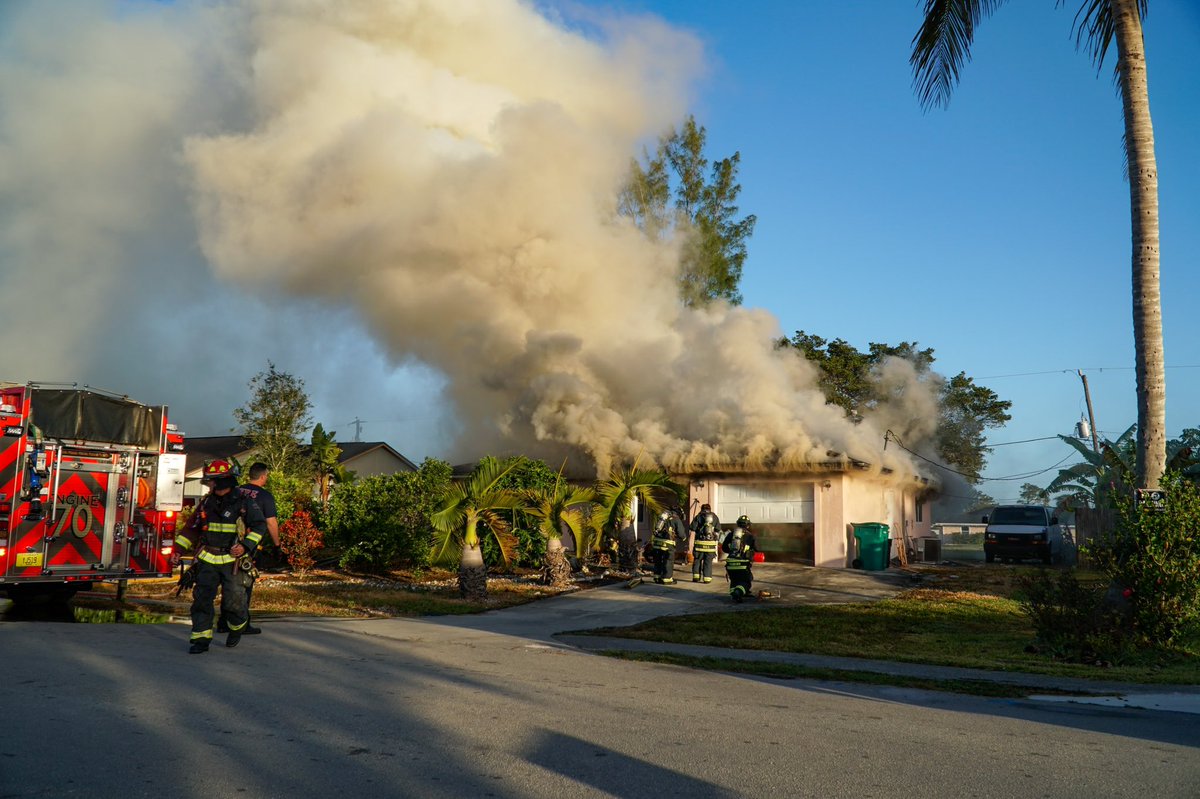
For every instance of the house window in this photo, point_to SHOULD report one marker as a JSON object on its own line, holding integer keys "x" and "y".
{"x": 920, "y": 512}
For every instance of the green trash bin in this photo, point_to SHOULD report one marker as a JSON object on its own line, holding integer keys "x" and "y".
{"x": 874, "y": 548}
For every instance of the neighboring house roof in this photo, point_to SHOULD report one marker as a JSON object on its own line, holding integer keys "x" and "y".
{"x": 200, "y": 449}
{"x": 353, "y": 450}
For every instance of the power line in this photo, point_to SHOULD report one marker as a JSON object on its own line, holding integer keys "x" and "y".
{"x": 892, "y": 436}
{"x": 1089, "y": 369}
{"x": 1025, "y": 441}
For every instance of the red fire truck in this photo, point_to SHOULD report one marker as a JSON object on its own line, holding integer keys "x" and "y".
{"x": 90, "y": 486}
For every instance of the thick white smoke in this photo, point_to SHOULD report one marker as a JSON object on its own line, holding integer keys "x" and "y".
{"x": 443, "y": 170}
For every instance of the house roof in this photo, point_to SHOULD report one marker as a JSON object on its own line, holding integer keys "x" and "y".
{"x": 201, "y": 449}
{"x": 356, "y": 449}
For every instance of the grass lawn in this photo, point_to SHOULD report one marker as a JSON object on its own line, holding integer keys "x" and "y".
{"x": 971, "y": 622}
{"x": 963, "y": 616}
{"x": 338, "y": 594}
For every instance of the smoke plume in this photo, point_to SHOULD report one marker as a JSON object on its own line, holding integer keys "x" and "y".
{"x": 434, "y": 178}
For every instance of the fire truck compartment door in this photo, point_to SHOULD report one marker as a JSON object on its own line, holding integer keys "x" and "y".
{"x": 90, "y": 517}
{"x": 169, "y": 492}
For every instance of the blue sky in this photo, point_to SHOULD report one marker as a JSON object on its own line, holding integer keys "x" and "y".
{"x": 995, "y": 232}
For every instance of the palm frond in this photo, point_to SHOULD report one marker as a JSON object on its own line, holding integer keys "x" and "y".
{"x": 562, "y": 505}
{"x": 616, "y": 494}
{"x": 470, "y": 503}
{"x": 497, "y": 526}
{"x": 1095, "y": 28}
{"x": 942, "y": 46}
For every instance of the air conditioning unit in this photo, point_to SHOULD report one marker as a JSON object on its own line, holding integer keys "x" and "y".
{"x": 929, "y": 549}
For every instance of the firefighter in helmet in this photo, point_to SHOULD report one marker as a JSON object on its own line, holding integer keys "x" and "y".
{"x": 739, "y": 547}
{"x": 668, "y": 531}
{"x": 706, "y": 537}
{"x": 212, "y": 536}
{"x": 705, "y": 516}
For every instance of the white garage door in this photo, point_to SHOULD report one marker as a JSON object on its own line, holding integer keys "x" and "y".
{"x": 774, "y": 502}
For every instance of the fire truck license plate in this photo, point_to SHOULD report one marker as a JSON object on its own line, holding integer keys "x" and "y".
{"x": 27, "y": 559}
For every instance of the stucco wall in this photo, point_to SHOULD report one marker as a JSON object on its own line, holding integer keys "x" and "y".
{"x": 376, "y": 461}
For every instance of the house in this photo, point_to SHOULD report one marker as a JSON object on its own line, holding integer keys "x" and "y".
{"x": 808, "y": 516}
{"x": 364, "y": 458}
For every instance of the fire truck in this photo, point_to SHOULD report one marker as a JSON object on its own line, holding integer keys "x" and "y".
{"x": 90, "y": 487}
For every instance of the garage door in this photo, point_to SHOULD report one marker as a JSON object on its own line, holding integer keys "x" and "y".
{"x": 774, "y": 502}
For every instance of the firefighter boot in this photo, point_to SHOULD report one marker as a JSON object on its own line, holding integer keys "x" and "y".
{"x": 198, "y": 647}
{"x": 233, "y": 638}
{"x": 248, "y": 630}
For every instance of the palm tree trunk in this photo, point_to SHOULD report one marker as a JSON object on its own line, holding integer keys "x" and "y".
{"x": 1143, "y": 196}
{"x": 557, "y": 570}
{"x": 472, "y": 574}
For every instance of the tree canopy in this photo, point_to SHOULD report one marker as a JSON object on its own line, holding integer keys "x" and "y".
{"x": 966, "y": 410}
{"x": 705, "y": 212}
{"x": 276, "y": 418}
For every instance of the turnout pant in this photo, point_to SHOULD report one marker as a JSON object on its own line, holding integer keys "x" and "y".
{"x": 222, "y": 619}
{"x": 210, "y": 577}
{"x": 664, "y": 566}
{"x": 739, "y": 582}
{"x": 702, "y": 566}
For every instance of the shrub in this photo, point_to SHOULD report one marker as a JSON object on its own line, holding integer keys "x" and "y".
{"x": 1074, "y": 622}
{"x": 382, "y": 521}
{"x": 529, "y": 474}
{"x": 291, "y": 494}
{"x": 1153, "y": 558}
{"x": 300, "y": 539}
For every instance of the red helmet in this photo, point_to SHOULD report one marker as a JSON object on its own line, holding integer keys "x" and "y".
{"x": 219, "y": 468}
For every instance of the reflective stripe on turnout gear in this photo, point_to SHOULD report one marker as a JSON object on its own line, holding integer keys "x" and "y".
{"x": 658, "y": 542}
{"x": 213, "y": 558}
{"x": 705, "y": 546}
{"x": 736, "y": 563}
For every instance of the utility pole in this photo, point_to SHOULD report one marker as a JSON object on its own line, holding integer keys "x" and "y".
{"x": 1087, "y": 395}
{"x": 358, "y": 423}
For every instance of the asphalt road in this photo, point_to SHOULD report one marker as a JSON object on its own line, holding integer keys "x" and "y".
{"x": 494, "y": 706}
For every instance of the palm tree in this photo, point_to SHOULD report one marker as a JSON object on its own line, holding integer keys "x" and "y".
{"x": 323, "y": 455}
{"x": 617, "y": 493}
{"x": 470, "y": 506}
{"x": 1090, "y": 483}
{"x": 940, "y": 49}
{"x": 560, "y": 507}
{"x": 1113, "y": 470}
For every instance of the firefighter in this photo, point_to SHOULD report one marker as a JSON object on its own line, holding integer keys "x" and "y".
{"x": 256, "y": 489}
{"x": 705, "y": 516}
{"x": 706, "y": 537}
{"x": 213, "y": 535}
{"x": 667, "y": 533}
{"x": 739, "y": 547}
